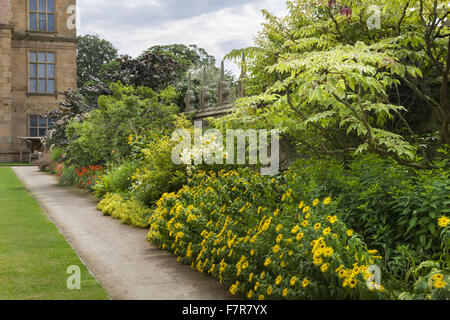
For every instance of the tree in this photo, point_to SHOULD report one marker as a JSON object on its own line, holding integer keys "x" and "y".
{"x": 92, "y": 54}
{"x": 193, "y": 59}
{"x": 152, "y": 70}
{"x": 101, "y": 135}
{"x": 327, "y": 78}
{"x": 187, "y": 56}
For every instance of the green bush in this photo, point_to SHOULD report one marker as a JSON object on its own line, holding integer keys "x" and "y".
{"x": 391, "y": 206}
{"x": 158, "y": 174}
{"x": 117, "y": 179}
{"x": 102, "y": 136}
{"x": 248, "y": 232}
{"x": 131, "y": 212}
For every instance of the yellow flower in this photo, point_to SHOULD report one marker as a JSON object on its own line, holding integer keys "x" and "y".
{"x": 439, "y": 284}
{"x": 279, "y": 227}
{"x": 245, "y": 265}
{"x": 350, "y": 233}
{"x": 267, "y": 262}
{"x": 327, "y": 200}
{"x": 328, "y": 252}
{"x": 233, "y": 288}
{"x": 305, "y": 283}
{"x": 263, "y": 274}
{"x": 324, "y": 267}
{"x": 293, "y": 281}
{"x": 352, "y": 283}
{"x": 250, "y": 277}
{"x": 295, "y": 229}
{"x": 269, "y": 290}
{"x": 317, "y": 226}
{"x": 276, "y": 249}
{"x": 299, "y": 236}
{"x": 326, "y": 231}
{"x": 305, "y": 209}
{"x": 276, "y": 212}
{"x": 332, "y": 219}
{"x": 438, "y": 277}
{"x": 285, "y": 292}
{"x": 301, "y": 205}
{"x": 443, "y": 221}
{"x": 278, "y": 280}
{"x": 305, "y": 223}
{"x": 252, "y": 252}
{"x": 283, "y": 197}
{"x": 261, "y": 297}
{"x": 316, "y": 202}
{"x": 342, "y": 274}
{"x": 250, "y": 294}
{"x": 279, "y": 238}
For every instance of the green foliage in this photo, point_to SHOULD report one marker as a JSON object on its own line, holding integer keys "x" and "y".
{"x": 102, "y": 136}
{"x": 432, "y": 283}
{"x": 338, "y": 87}
{"x": 158, "y": 174}
{"x": 391, "y": 206}
{"x": 246, "y": 230}
{"x": 92, "y": 54}
{"x": 131, "y": 212}
{"x": 187, "y": 56}
{"x": 116, "y": 179}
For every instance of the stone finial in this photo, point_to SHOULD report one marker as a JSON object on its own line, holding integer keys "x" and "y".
{"x": 205, "y": 95}
{"x": 242, "y": 78}
{"x": 189, "y": 99}
{"x": 224, "y": 90}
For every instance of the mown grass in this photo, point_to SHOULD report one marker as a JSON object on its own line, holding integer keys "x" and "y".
{"x": 17, "y": 165}
{"x": 34, "y": 256}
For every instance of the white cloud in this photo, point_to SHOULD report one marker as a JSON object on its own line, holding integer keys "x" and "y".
{"x": 230, "y": 26}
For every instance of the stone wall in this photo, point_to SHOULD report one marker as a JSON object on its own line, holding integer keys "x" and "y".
{"x": 5, "y": 80}
{"x": 16, "y": 103}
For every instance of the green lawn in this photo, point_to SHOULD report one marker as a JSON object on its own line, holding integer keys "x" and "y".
{"x": 34, "y": 256}
{"x": 16, "y": 165}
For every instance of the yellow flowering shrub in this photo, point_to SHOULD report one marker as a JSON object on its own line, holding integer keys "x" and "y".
{"x": 235, "y": 226}
{"x": 131, "y": 212}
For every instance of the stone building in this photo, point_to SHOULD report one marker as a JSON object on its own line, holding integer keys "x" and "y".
{"x": 37, "y": 59}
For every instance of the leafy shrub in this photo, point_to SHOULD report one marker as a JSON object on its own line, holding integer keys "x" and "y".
{"x": 389, "y": 205}
{"x": 101, "y": 137}
{"x": 159, "y": 174}
{"x": 247, "y": 231}
{"x": 131, "y": 212}
{"x": 117, "y": 179}
{"x": 83, "y": 178}
{"x": 68, "y": 176}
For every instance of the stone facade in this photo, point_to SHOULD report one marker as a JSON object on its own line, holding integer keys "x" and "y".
{"x": 17, "y": 102}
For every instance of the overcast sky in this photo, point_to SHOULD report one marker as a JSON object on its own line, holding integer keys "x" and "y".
{"x": 216, "y": 25}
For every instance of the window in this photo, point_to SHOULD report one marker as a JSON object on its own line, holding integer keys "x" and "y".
{"x": 41, "y": 15}
{"x": 39, "y": 125}
{"x": 42, "y": 72}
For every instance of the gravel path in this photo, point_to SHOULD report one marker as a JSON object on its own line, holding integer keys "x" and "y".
{"x": 119, "y": 256}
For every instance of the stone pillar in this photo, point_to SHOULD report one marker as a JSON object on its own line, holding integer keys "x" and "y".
{"x": 5, "y": 81}
{"x": 205, "y": 95}
{"x": 190, "y": 97}
{"x": 242, "y": 79}
{"x": 224, "y": 90}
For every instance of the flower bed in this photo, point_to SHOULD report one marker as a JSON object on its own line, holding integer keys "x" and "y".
{"x": 246, "y": 230}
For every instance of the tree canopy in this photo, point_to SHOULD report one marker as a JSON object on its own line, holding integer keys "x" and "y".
{"x": 328, "y": 76}
{"x": 92, "y": 54}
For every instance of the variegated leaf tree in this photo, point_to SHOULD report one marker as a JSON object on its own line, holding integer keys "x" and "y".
{"x": 344, "y": 77}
